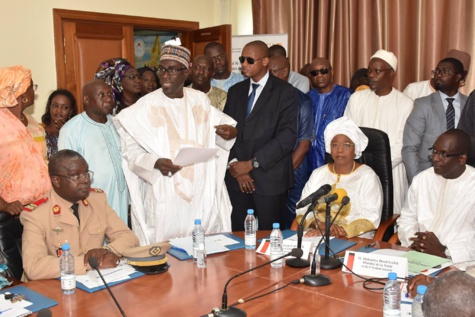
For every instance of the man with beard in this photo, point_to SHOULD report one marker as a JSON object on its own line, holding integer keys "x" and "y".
{"x": 437, "y": 217}
{"x": 432, "y": 115}
{"x": 92, "y": 134}
{"x": 223, "y": 77}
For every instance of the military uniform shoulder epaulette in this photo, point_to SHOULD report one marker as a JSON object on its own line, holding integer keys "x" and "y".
{"x": 32, "y": 206}
{"x": 96, "y": 190}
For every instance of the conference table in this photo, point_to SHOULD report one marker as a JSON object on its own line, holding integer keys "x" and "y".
{"x": 186, "y": 290}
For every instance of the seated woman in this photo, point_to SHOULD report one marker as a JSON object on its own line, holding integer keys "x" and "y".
{"x": 60, "y": 107}
{"x": 150, "y": 81}
{"x": 24, "y": 172}
{"x": 345, "y": 142}
{"x": 124, "y": 80}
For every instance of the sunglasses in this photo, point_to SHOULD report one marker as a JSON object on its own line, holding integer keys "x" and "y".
{"x": 322, "y": 71}
{"x": 249, "y": 60}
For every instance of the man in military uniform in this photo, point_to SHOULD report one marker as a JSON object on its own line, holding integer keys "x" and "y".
{"x": 71, "y": 212}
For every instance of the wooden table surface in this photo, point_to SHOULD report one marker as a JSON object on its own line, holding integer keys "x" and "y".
{"x": 188, "y": 291}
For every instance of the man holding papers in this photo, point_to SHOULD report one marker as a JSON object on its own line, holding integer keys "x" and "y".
{"x": 71, "y": 212}
{"x": 166, "y": 197}
{"x": 438, "y": 216}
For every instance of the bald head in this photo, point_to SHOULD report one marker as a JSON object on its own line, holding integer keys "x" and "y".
{"x": 277, "y": 50}
{"x": 320, "y": 61}
{"x": 98, "y": 100}
{"x": 258, "y": 47}
{"x": 279, "y": 66}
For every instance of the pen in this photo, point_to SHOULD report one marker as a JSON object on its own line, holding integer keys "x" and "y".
{"x": 370, "y": 245}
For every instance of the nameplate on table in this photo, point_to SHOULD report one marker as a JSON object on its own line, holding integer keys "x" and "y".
{"x": 374, "y": 265}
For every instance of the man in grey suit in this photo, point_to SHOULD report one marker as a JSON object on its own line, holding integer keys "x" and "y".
{"x": 432, "y": 115}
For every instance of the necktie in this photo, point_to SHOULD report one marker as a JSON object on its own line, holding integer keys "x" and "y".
{"x": 450, "y": 114}
{"x": 75, "y": 207}
{"x": 250, "y": 101}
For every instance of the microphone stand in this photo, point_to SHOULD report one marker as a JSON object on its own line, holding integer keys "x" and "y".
{"x": 226, "y": 311}
{"x": 299, "y": 262}
{"x": 328, "y": 263}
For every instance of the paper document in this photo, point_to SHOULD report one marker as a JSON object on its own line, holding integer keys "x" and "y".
{"x": 192, "y": 155}
{"x": 213, "y": 244}
{"x": 419, "y": 262}
{"x": 9, "y": 309}
{"x": 92, "y": 279}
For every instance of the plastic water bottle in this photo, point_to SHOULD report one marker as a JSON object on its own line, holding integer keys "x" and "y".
{"x": 198, "y": 240}
{"x": 417, "y": 303}
{"x": 250, "y": 230}
{"x": 392, "y": 297}
{"x": 276, "y": 247}
{"x": 67, "y": 268}
{"x": 317, "y": 258}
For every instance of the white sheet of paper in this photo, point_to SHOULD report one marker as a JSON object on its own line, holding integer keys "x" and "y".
{"x": 192, "y": 155}
{"x": 212, "y": 244}
{"x": 91, "y": 279}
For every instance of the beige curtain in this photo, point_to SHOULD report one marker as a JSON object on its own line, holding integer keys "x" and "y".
{"x": 348, "y": 32}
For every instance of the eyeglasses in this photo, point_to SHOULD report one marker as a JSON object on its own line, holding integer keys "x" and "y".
{"x": 133, "y": 77}
{"x": 171, "y": 71}
{"x": 345, "y": 146}
{"x": 220, "y": 57}
{"x": 441, "y": 72}
{"x": 378, "y": 71}
{"x": 35, "y": 87}
{"x": 442, "y": 155}
{"x": 88, "y": 175}
{"x": 322, "y": 71}
{"x": 249, "y": 60}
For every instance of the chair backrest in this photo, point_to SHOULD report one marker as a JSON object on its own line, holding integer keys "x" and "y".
{"x": 377, "y": 155}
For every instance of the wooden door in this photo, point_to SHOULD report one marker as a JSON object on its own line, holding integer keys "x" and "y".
{"x": 198, "y": 39}
{"x": 84, "y": 39}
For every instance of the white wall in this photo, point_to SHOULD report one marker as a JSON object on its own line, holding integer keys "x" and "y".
{"x": 26, "y": 29}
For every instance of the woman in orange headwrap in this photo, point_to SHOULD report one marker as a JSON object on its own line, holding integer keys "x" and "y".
{"x": 23, "y": 171}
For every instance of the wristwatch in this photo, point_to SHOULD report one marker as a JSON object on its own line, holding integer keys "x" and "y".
{"x": 255, "y": 163}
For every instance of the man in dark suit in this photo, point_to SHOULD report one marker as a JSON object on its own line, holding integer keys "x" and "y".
{"x": 432, "y": 115}
{"x": 260, "y": 169}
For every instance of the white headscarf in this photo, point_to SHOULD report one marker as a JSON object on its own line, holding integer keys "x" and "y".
{"x": 347, "y": 127}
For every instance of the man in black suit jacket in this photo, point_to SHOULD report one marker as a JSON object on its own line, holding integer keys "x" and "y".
{"x": 260, "y": 169}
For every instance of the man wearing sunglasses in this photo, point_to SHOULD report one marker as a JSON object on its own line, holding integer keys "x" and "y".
{"x": 438, "y": 217}
{"x": 384, "y": 108}
{"x": 432, "y": 115}
{"x": 329, "y": 102}
{"x": 260, "y": 169}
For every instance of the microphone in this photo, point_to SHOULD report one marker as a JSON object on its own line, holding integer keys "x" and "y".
{"x": 328, "y": 263}
{"x": 314, "y": 279}
{"x": 298, "y": 262}
{"x": 325, "y": 189}
{"x": 45, "y": 312}
{"x": 94, "y": 263}
{"x": 226, "y": 311}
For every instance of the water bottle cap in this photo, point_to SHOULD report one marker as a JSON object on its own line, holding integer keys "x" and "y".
{"x": 65, "y": 246}
{"x": 421, "y": 289}
{"x": 250, "y": 211}
{"x": 276, "y": 225}
{"x": 392, "y": 276}
{"x": 197, "y": 221}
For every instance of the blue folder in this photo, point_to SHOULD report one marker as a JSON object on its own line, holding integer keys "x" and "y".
{"x": 181, "y": 254}
{"x": 38, "y": 301}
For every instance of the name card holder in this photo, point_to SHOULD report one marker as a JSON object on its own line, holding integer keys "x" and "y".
{"x": 375, "y": 265}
